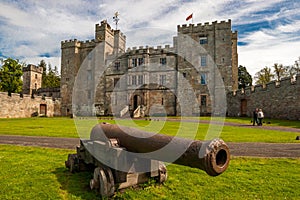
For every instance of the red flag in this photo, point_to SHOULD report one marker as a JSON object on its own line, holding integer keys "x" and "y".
{"x": 189, "y": 17}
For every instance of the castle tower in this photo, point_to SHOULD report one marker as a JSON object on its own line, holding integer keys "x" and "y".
{"x": 74, "y": 53}
{"x": 32, "y": 78}
{"x": 218, "y": 48}
{"x": 220, "y": 44}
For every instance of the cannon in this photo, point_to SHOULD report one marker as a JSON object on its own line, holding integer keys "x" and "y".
{"x": 121, "y": 157}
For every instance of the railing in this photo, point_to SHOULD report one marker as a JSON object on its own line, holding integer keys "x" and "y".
{"x": 124, "y": 111}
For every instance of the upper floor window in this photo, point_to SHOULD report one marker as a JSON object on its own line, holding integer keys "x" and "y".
{"x": 117, "y": 66}
{"x": 134, "y": 62}
{"x": 203, "y": 61}
{"x": 203, "y": 80}
{"x": 133, "y": 80}
{"x": 140, "y": 61}
{"x": 140, "y": 79}
{"x": 203, "y": 40}
{"x": 163, "y": 61}
{"x": 36, "y": 76}
{"x": 162, "y": 79}
{"x": 116, "y": 82}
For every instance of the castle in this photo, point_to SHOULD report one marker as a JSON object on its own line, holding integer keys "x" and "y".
{"x": 147, "y": 80}
{"x": 186, "y": 79}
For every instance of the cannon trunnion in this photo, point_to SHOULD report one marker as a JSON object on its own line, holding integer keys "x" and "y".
{"x": 122, "y": 157}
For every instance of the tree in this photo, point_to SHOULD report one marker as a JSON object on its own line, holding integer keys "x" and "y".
{"x": 280, "y": 71}
{"x": 51, "y": 78}
{"x": 44, "y": 75}
{"x": 10, "y": 76}
{"x": 244, "y": 78}
{"x": 264, "y": 76}
{"x": 297, "y": 66}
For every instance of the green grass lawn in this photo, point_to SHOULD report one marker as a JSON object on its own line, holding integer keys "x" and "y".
{"x": 65, "y": 127}
{"x": 39, "y": 173}
{"x": 39, "y": 126}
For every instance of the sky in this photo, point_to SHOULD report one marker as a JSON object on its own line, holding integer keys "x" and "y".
{"x": 31, "y": 30}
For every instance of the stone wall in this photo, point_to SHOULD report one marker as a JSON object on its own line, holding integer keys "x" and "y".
{"x": 16, "y": 106}
{"x": 279, "y": 100}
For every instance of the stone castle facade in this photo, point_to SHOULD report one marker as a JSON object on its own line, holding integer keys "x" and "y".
{"x": 147, "y": 80}
{"x": 33, "y": 100}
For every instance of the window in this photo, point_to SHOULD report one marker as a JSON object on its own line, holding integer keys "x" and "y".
{"x": 140, "y": 61}
{"x": 35, "y": 86}
{"x": 35, "y": 76}
{"x": 133, "y": 79}
{"x": 203, "y": 100}
{"x": 116, "y": 82}
{"x": 67, "y": 79}
{"x": 134, "y": 62}
{"x": 162, "y": 79}
{"x": 140, "y": 79}
{"x": 163, "y": 61}
{"x": 203, "y": 79}
{"x": 203, "y": 61}
{"x": 117, "y": 66}
{"x": 184, "y": 74}
{"x": 203, "y": 40}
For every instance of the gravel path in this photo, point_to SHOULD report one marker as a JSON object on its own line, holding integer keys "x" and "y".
{"x": 291, "y": 150}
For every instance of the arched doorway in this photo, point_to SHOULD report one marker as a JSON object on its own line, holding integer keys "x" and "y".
{"x": 137, "y": 101}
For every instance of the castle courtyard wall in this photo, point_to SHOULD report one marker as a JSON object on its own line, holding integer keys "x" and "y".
{"x": 16, "y": 106}
{"x": 279, "y": 100}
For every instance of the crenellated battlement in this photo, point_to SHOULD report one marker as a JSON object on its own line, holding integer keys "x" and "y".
{"x": 202, "y": 27}
{"x": 151, "y": 50}
{"x": 285, "y": 82}
{"x": 75, "y": 43}
{"x": 70, "y": 43}
{"x": 105, "y": 27}
{"x": 33, "y": 68}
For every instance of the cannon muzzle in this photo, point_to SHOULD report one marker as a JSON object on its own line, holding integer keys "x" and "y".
{"x": 210, "y": 156}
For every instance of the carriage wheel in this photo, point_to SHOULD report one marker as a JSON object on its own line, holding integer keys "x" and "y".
{"x": 163, "y": 173}
{"x": 103, "y": 181}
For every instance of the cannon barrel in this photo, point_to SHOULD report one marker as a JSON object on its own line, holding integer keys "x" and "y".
{"x": 210, "y": 156}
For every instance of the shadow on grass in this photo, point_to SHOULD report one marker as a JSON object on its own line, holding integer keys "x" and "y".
{"x": 76, "y": 185}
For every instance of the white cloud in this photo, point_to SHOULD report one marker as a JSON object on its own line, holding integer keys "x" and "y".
{"x": 257, "y": 58}
{"x": 32, "y": 28}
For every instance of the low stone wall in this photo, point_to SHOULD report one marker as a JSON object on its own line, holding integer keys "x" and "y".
{"x": 279, "y": 100}
{"x": 16, "y": 106}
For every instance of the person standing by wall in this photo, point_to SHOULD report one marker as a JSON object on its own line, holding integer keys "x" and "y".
{"x": 260, "y": 116}
{"x": 255, "y": 116}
